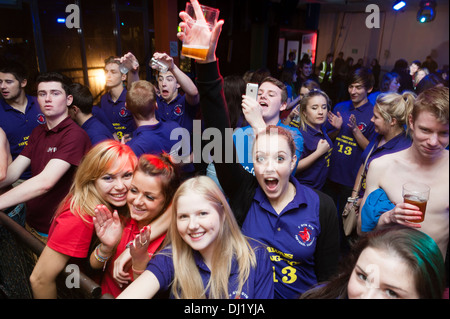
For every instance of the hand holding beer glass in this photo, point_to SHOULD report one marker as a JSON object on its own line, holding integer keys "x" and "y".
{"x": 198, "y": 24}
{"x": 416, "y": 194}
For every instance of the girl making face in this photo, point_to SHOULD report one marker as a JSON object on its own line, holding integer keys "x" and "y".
{"x": 296, "y": 223}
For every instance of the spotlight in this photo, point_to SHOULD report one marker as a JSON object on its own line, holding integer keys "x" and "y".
{"x": 398, "y": 5}
{"x": 427, "y": 11}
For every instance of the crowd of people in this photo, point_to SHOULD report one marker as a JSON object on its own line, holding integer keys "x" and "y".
{"x": 100, "y": 185}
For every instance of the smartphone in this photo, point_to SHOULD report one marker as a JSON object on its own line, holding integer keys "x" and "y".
{"x": 252, "y": 90}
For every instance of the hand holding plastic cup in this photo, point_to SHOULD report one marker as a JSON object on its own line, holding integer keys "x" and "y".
{"x": 416, "y": 194}
{"x": 127, "y": 63}
{"x": 198, "y": 30}
{"x": 158, "y": 65}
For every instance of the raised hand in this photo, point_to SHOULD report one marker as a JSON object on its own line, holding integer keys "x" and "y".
{"x": 335, "y": 120}
{"x": 107, "y": 226}
{"x": 200, "y": 31}
{"x": 139, "y": 249}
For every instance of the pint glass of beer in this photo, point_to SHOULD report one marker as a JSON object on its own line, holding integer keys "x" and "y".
{"x": 416, "y": 194}
{"x": 198, "y": 36}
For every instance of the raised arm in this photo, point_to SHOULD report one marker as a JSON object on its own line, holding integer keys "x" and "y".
{"x": 233, "y": 178}
{"x": 186, "y": 84}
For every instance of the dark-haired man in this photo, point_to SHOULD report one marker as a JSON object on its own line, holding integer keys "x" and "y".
{"x": 19, "y": 112}
{"x": 54, "y": 151}
{"x": 81, "y": 112}
{"x": 351, "y": 130}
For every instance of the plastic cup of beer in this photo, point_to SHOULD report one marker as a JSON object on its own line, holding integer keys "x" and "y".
{"x": 416, "y": 194}
{"x": 196, "y": 42}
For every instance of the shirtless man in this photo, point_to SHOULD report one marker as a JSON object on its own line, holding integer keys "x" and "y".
{"x": 426, "y": 161}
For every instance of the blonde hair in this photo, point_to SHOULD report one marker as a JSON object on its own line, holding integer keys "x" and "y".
{"x": 83, "y": 194}
{"x": 232, "y": 244}
{"x": 434, "y": 100}
{"x": 395, "y": 106}
{"x": 141, "y": 99}
{"x": 304, "y": 104}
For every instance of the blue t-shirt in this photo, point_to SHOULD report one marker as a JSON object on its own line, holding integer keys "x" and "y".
{"x": 346, "y": 155}
{"x": 114, "y": 115}
{"x": 178, "y": 110}
{"x": 259, "y": 284}
{"x": 315, "y": 175}
{"x": 18, "y": 126}
{"x": 153, "y": 139}
{"x": 290, "y": 236}
{"x": 96, "y": 130}
{"x": 243, "y": 138}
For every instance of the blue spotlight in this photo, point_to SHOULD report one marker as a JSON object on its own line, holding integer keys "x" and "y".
{"x": 399, "y": 5}
{"x": 427, "y": 11}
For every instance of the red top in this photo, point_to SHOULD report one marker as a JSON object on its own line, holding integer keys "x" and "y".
{"x": 131, "y": 229}
{"x": 70, "y": 234}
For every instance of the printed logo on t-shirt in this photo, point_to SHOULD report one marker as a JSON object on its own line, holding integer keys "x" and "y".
{"x": 41, "y": 118}
{"x": 178, "y": 110}
{"x": 304, "y": 236}
{"x": 235, "y": 295}
{"x": 52, "y": 150}
{"x": 123, "y": 112}
{"x": 362, "y": 127}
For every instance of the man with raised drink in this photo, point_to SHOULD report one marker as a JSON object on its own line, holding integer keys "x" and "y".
{"x": 426, "y": 161}
{"x": 173, "y": 106}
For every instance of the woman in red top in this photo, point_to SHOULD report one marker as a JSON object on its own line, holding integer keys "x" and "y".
{"x": 103, "y": 177}
{"x": 154, "y": 183}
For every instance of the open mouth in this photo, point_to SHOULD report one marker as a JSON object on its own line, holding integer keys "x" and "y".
{"x": 271, "y": 183}
{"x": 263, "y": 104}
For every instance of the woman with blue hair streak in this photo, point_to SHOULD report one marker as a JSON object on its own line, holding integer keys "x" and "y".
{"x": 392, "y": 262}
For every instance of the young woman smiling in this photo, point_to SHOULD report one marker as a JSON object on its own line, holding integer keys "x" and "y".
{"x": 154, "y": 183}
{"x": 103, "y": 177}
{"x": 208, "y": 257}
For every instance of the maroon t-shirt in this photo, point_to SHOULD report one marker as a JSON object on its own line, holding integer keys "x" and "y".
{"x": 67, "y": 142}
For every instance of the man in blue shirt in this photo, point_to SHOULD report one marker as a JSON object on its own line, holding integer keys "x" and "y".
{"x": 151, "y": 136}
{"x": 81, "y": 112}
{"x": 173, "y": 106}
{"x": 272, "y": 99}
{"x": 112, "y": 111}
{"x": 19, "y": 112}
{"x": 351, "y": 129}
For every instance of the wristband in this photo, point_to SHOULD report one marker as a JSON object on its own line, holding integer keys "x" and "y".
{"x": 137, "y": 272}
{"x": 98, "y": 257}
{"x": 352, "y": 199}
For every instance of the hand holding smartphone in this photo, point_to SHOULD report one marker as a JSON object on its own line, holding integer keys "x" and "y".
{"x": 252, "y": 90}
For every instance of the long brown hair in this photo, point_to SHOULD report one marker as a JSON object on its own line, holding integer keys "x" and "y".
{"x": 418, "y": 250}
